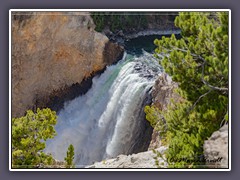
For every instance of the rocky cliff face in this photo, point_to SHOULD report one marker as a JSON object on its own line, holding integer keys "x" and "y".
{"x": 51, "y": 51}
{"x": 162, "y": 92}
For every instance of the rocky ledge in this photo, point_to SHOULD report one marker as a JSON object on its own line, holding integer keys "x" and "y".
{"x": 140, "y": 160}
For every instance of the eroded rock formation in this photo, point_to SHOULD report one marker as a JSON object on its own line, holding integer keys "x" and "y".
{"x": 52, "y": 51}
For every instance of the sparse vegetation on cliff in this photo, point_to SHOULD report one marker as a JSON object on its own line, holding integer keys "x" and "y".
{"x": 130, "y": 21}
{"x": 199, "y": 63}
{"x": 116, "y": 21}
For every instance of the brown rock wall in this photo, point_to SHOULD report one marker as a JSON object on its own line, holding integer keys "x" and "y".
{"x": 52, "y": 50}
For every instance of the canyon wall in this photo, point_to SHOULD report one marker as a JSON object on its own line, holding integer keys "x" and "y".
{"x": 52, "y": 51}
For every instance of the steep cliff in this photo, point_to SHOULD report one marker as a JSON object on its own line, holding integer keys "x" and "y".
{"x": 51, "y": 51}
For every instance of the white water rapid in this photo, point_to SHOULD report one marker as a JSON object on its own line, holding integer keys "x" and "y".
{"x": 104, "y": 122}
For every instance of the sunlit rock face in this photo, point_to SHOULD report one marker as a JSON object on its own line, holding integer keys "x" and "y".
{"x": 51, "y": 51}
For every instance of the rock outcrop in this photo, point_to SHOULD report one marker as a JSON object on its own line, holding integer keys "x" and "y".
{"x": 140, "y": 160}
{"x": 216, "y": 149}
{"x": 51, "y": 51}
{"x": 162, "y": 93}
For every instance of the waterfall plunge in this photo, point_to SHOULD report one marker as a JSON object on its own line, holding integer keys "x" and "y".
{"x": 105, "y": 122}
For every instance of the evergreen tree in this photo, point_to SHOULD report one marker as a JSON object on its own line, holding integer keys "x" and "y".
{"x": 199, "y": 60}
{"x": 70, "y": 157}
{"x": 29, "y": 134}
{"x": 199, "y": 63}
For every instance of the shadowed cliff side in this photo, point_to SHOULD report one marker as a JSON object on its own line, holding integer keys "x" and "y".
{"x": 52, "y": 52}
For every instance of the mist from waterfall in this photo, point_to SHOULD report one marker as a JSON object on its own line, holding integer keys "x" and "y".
{"x": 104, "y": 122}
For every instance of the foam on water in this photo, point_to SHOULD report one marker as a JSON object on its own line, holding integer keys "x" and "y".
{"x": 100, "y": 123}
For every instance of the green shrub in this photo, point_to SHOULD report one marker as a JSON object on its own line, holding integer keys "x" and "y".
{"x": 29, "y": 134}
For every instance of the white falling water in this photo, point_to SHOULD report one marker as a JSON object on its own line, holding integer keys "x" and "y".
{"x": 100, "y": 124}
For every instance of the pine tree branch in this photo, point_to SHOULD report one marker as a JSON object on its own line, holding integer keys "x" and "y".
{"x": 209, "y": 85}
{"x": 200, "y": 97}
{"x": 182, "y": 50}
{"x": 192, "y": 54}
{"x": 203, "y": 67}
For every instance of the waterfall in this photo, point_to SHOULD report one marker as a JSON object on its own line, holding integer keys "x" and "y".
{"x": 105, "y": 122}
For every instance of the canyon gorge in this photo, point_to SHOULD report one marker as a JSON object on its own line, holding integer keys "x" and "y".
{"x": 97, "y": 82}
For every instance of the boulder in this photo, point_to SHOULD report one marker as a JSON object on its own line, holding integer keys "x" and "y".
{"x": 216, "y": 149}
